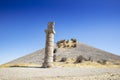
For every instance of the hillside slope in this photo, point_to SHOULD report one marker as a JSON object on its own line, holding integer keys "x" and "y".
{"x": 84, "y": 50}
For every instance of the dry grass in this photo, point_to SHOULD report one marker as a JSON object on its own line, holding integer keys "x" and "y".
{"x": 85, "y": 64}
{"x": 19, "y": 65}
{"x": 70, "y": 62}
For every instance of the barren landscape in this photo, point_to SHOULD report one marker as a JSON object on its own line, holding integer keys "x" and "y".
{"x": 81, "y": 62}
{"x": 60, "y": 73}
{"x": 59, "y": 39}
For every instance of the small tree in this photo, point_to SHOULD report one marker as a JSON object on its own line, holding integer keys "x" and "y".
{"x": 63, "y": 59}
{"x": 79, "y": 59}
{"x": 103, "y": 61}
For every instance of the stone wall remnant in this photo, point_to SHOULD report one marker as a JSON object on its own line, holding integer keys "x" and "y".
{"x": 67, "y": 43}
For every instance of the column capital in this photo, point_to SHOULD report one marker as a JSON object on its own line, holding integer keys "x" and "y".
{"x": 50, "y": 28}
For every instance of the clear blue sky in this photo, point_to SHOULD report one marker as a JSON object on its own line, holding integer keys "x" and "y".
{"x": 22, "y": 24}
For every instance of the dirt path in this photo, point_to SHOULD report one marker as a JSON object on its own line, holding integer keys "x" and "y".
{"x": 60, "y": 73}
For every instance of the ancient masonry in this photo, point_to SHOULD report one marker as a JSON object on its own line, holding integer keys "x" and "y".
{"x": 67, "y": 43}
{"x": 48, "y": 59}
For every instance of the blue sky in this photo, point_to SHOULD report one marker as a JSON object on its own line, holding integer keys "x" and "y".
{"x": 22, "y": 24}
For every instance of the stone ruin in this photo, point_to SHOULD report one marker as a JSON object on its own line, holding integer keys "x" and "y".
{"x": 49, "y": 48}
{"x": 48, "y": 59}
{"x": 67, "y": 43}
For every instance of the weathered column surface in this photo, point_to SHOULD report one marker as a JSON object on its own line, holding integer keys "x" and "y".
{"x": 48, "y": 59}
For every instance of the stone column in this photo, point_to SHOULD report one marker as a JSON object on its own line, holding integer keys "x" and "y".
{"x": 48, "y": 59}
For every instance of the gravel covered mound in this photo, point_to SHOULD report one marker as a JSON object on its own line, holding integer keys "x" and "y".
{"x": 88, "y": 52}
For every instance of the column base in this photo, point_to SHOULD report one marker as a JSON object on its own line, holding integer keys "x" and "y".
{"x": 47, "y": 65}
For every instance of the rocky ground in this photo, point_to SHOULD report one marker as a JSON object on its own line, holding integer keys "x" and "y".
{"x": 59, "y": 73}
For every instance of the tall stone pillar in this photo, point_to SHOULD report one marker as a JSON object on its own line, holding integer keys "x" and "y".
{"x": 48, "y": 59}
